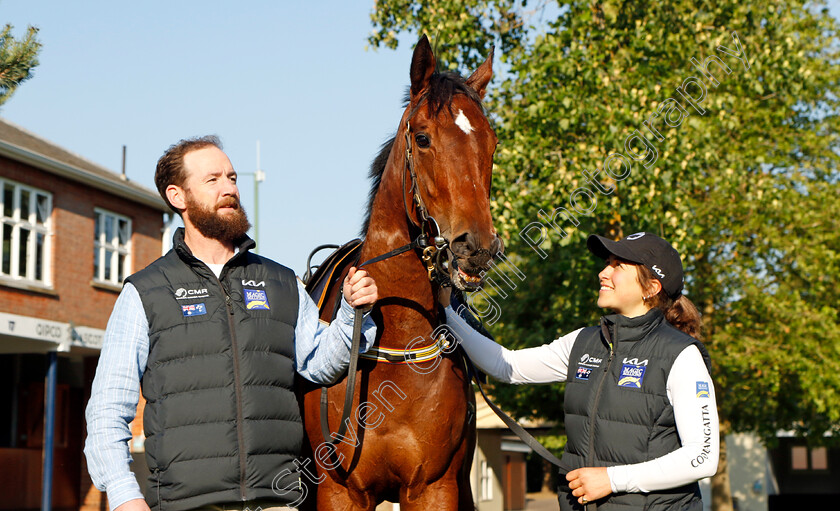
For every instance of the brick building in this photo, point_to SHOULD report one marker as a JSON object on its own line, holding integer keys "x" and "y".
{"x": 71, "y": 231}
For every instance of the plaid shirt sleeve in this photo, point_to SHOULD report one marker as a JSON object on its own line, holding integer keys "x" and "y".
{"x": 322, "y": 351}
{"x": 113, "y": 399}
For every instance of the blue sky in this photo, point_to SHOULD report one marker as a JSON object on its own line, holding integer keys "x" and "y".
{"x": 294, "y": 75}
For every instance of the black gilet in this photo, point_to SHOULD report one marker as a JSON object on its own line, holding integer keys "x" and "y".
{"x": 222, "y": 423}
{"x": 617, "y": 409}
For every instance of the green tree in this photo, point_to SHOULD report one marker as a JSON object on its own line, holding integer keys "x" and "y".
{"x": 743, "y": 181}
{"x": 17, "y": 59}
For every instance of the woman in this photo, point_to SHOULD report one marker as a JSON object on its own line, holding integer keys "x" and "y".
{"x": 641, "y": 417}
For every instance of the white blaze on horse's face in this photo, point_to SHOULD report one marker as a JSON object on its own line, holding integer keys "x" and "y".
{"x": 463, "y": 123}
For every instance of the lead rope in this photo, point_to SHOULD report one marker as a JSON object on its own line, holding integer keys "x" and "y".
{"x": 350, "y": 389}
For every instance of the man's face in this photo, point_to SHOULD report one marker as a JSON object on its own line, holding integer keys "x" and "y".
{"x": 211, "y": 196}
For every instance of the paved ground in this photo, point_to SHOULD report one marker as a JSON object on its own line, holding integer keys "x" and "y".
{"x": 533, "y": 502}
{"x": 541, "y": 502}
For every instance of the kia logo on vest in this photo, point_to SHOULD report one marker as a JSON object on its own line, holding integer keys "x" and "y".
{"x": 253, "y": 283}
{"x": 635, "y": 361}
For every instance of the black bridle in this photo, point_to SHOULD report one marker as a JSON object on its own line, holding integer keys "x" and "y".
{"x": 433, "y": 244}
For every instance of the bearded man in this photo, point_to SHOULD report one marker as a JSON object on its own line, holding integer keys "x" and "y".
{"x": 213, "y": 334}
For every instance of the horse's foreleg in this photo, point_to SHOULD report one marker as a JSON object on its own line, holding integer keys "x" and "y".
{"x": 332, "y": 496}
{"x": 441, "y": 495}
{"x": 449, "y": 493}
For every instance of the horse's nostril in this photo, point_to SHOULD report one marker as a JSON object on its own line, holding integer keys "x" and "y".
{"x": 497, "y": 247}
{"x": 464, "y": 245}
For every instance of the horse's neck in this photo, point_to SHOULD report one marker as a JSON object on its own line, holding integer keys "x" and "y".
{"x": 406, "y": 296}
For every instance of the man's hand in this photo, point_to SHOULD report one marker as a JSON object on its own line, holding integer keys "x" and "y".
{"x": 589, "y": 484}
{"x": 360, "y": 289}
{"x": 133, "y": 505}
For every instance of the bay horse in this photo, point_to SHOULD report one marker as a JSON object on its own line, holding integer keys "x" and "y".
{"x": 415, "y": 444}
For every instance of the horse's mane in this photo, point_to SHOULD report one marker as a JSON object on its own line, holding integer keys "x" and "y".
{"x": 442, "y": 87}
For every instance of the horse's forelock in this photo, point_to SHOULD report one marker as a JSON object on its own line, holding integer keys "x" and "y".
{"x": 442, "y": 88}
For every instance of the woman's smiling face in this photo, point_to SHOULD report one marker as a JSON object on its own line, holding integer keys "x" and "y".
{"x": 620, "y": 288}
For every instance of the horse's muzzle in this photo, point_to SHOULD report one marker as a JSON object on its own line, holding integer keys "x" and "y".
{"x": 471, "y": 261}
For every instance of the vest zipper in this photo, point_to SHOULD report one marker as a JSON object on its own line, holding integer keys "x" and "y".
{"x": 590, "y": 453}
{"x": 237, "y": 382}
{"x": 157, "y": 477}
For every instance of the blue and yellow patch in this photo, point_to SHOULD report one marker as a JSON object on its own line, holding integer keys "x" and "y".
{"x": 255, "y": 299}
{"x": 194, "y": 309}
{"x": 631, "y": 376}
{"x": 702, "y": 389}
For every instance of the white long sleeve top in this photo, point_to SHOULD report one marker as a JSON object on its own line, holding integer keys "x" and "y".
{"x": 695, "y": 412}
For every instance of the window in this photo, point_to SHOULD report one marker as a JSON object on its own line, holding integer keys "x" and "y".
{"x": 111, "y": 247}
{"x": 486, "y": 481}
{"x": 26, "y": 223}
{"x": 803, "y": 458}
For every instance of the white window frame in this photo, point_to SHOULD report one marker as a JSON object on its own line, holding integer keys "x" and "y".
{"x": 105, "y": 246}
{"x": 486, "y": 480}
{"x": 27, "y": 220}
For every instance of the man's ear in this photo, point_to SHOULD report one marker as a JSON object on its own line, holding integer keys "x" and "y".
{"x": 176, "y": 196}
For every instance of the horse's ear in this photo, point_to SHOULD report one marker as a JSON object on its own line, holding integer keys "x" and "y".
{"x": 422, "y": 66}
{"x": 481, "y": 77}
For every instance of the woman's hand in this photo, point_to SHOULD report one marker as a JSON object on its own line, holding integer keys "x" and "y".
{"x": 589, "y": 484}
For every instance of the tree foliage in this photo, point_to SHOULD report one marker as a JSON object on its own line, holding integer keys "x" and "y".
{"x": 746, "y": 190}
{"x": 17, "y": 59}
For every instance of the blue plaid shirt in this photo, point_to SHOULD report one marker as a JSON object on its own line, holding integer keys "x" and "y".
{"x": 322, "y": 354}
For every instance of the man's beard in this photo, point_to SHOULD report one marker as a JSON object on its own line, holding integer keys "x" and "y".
{"x": 225, "y": 228}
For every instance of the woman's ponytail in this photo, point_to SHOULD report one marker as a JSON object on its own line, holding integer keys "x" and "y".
{"x": 684, "y": 316}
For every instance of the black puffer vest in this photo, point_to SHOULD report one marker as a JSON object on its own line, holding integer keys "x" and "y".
{"x": 222, "y": 422}
{"x": 617, "y": 409}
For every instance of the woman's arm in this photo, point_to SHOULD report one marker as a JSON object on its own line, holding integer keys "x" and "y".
{"x": 543, "y": 364}
{"x": 692, "y": 395}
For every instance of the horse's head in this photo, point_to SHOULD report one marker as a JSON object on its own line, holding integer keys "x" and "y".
{"x": 451, "y": 147}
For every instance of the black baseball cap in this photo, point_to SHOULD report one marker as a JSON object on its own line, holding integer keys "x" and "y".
{"x": 647, "y": 249}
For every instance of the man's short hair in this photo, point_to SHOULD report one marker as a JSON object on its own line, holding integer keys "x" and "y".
{"x": 170, "y": 166}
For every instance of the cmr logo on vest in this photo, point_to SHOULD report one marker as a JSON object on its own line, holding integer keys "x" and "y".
{"x": 184, "y": 294}
{"x": 631, "y": 376}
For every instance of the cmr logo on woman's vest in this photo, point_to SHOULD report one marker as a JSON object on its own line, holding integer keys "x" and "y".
{"x": 631, "y": 376}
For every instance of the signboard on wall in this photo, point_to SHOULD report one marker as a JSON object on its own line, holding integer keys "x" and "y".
{"x": 63, "y": 335}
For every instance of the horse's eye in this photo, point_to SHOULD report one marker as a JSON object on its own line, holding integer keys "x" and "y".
{"x": 422, "y": 140}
